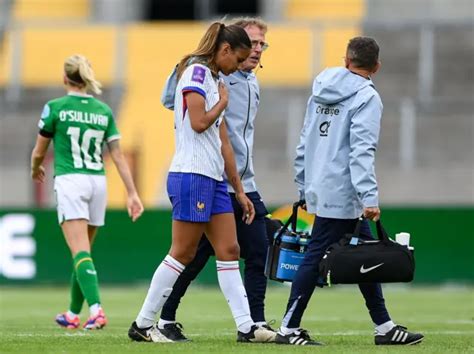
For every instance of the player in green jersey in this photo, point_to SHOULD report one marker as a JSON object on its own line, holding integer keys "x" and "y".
{"x": 79, "y": 124}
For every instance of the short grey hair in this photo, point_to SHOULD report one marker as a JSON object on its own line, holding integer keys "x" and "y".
{"x": 250, "y": 21}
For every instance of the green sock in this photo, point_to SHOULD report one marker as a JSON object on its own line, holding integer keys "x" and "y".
{"x": 87, "y": 277}
{"x": 77, "y": 298}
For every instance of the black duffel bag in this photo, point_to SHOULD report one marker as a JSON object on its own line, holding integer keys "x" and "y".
{"x": 353, "y": 260}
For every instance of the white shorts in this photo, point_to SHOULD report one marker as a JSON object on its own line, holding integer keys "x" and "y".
{"x": 81, "y": 196}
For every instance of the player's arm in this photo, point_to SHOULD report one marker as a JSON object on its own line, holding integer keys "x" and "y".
{"x": 200, "y": 119}
{"x": 233, "y": 176}
{"x": 364, "y": 135}
{"x": 134, "y": 204}
{"x": 37, "y": 157}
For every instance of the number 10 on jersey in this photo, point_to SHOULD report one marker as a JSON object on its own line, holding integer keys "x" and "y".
{"x": 85, "y": 159}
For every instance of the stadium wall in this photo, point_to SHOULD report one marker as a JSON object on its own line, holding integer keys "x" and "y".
{"x": 32, "y": 250}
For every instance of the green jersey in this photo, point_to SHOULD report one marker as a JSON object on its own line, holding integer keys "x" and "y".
{"x": 79, "y": 125}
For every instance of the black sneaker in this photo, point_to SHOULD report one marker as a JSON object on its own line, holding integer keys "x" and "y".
{"x": 398, "y": 335}
{"x": 268, "y": 326}
{"x": 148, "y": 334}
{"x": 174, "y": 332}
{"x": 256, "y": 335}
{"x": 300, "y": 337}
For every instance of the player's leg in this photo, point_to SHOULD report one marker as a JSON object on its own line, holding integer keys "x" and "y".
{"x": 72, "y": 192}
{"x": 97, "y": 203}
{"x": 189, "y": 196}
{"x": 253, "y": 249}
{"x": 185, "y": 239}
{"x": 221, "y": 233}
{"x": 76, "y": 235}
{"x": 77, "y": 298}
{"x": 167, "y": 320}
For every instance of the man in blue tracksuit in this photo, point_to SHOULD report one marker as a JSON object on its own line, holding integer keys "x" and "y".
{"x": 335, "y": 175}
{"x": 240, "y": 117}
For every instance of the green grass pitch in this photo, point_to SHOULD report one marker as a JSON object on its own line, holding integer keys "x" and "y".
{"x": 336, "y": 316}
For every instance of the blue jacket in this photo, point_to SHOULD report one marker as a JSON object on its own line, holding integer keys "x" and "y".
{"x": 240, "y": 114}
{"x": 334, "y": 162}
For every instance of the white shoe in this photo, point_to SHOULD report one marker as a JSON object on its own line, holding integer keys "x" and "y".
{"x": 256, "y": 335}
{"x": 150, "y": 334}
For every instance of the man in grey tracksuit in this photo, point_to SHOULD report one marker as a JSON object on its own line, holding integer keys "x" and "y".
{"x": 335, "y": 176}
{"x": 240, "y": 114}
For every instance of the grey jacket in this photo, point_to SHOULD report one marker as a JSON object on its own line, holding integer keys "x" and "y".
{"x": 334, "y": 162}
{"x": 240, "y": 114}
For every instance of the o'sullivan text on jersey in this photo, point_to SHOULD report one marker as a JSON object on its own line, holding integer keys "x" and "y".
{"x": 83, "y": 117}
{"x": 78, "y": 125}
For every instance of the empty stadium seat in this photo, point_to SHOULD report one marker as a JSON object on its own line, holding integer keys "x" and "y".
{"x": 44, "y": 10}
{"x": 96, "y": 43}
{"x": 325, "y": 10}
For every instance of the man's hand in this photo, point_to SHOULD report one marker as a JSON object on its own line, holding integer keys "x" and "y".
{"x": 247, "y": 207}
{"x": 372, "y": 213}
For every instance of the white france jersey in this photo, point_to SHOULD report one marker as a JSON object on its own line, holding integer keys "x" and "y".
{"x": 197, "y": 153}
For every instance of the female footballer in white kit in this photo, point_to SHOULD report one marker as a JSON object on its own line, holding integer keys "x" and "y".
{"x": 79, "y": 124}
{"x": 197, "y": 191}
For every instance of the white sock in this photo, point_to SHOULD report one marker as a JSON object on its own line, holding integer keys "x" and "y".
{"x": 285, "y": 330}
{"x": 260, "y": 324}
{"x": 384, "y": 328}
{"x": 233, "y": 289}
{"x": 72, "y": 315}
{"x": 161, "y": 286}
{"x": 162, "y": 323}
{"x": 94, "y": 310}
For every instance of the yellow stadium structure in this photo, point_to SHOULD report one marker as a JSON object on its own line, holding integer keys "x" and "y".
{"x": 140, "y": 57}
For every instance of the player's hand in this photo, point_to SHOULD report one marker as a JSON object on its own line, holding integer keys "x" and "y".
{"x": 38, "y": 174}
{"x": 223, "y": 93}
{"x": 134, "y": 206}
{"x": 247, "y": 207}
{"x": 372, "y": 213}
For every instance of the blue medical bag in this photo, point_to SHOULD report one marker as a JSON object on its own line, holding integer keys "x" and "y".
{"x": 287, "y": 251}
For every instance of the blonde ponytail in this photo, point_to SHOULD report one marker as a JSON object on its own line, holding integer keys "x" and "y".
{"x": 79, "y": 73}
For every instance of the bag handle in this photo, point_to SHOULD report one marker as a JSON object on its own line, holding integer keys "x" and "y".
{"x": 291, "y": 220}
{"x": 381, "y": 233}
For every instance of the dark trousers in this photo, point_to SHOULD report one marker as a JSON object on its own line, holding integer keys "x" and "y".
{"x": 325, "y": 232}
{"x": 253, "y": 249}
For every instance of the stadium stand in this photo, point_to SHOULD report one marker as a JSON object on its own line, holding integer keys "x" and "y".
{"x": 97, "y": 43}
{"x": 53, "y": 10}
{"x": 134, "y": 60}
{"x": 325, "y": 10}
